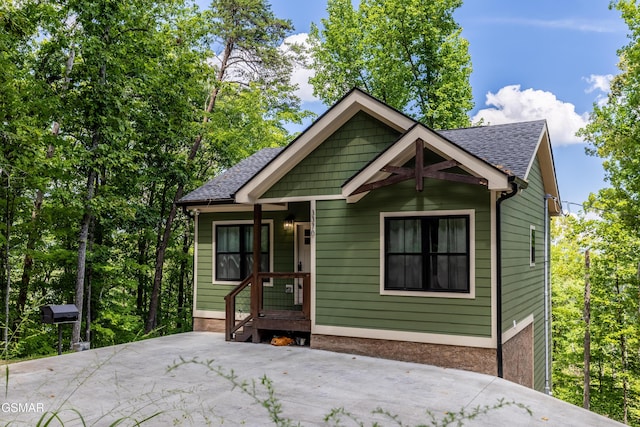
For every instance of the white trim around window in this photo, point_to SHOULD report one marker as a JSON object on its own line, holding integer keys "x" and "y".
{"x": 213, "y": 248}
{"x": 532, "y": 246}
{"x": 472, "y": 254}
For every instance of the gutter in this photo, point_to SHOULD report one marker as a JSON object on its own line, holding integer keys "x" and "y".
{"x": 504, "y": 196}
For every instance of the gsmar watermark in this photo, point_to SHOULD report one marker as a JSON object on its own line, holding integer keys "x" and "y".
{"x": 19, "y": 407}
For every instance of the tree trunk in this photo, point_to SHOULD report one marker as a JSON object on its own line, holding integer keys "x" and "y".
{"x": 27, "y": 264}
{"x": 623, "y": 355}
{"x": 152, "y": 320}
{"x": 586, "y": 395}
{"x": 82, "y": 249}
{"x": 143, "y": 247}
{"x": 7, "y": 278}
{"x": 625, "y": 380}
{"x": 183, "y": 276}
{"x": 88, "y": 214}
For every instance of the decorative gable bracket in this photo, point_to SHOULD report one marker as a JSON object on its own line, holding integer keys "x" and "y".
{"x": 419, "y": 172}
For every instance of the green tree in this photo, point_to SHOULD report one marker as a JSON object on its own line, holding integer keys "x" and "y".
{"x": 613, "y": 134}
{"x": 568, "y": 280}
{"x": 614, "y": 376}
{"x": 26, "y": 106}
{"x": 614, "y": 128}
{"x": 112, "y": 44}
{"x": 409, "y": 53}
{"x": 102, "y": 129}
{"x": 246, "y": 35}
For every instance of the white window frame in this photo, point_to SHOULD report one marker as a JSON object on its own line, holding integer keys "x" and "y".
{"x": 269, "y": 222}
{"x": 472, "y": 254}
{"x": 532, "y": 246}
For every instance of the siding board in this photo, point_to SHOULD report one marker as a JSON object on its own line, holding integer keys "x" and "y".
{"x": 338, "y": 158}
{"x": 210, "y": 295}
{"x": 348, "y": 263}
{"x": 523, "y": 285}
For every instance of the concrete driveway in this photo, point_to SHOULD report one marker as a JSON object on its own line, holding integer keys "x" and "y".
{"x": 133, "y": 382}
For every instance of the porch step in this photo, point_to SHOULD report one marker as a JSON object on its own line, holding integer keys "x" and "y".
{"x": 284, "y": 320}
{"x": 245, "y": 333}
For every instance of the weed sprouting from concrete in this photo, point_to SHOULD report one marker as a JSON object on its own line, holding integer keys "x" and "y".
{"x": 263, "y": 393}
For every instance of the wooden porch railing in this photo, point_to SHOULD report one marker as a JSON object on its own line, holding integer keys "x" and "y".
{"x": 285, "y": 319}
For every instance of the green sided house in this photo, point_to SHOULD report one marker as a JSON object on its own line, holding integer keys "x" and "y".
{"x": 373, "y": 234}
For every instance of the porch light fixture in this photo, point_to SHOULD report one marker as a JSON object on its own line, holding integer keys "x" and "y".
{"x": 289, "y": 221}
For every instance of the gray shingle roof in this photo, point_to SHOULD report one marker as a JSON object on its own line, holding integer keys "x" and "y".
{"x": 222, "y": 187}
{"x": 509, "y": 147}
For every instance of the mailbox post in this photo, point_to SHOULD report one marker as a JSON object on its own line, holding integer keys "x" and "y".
{"x": 57, "y": 315}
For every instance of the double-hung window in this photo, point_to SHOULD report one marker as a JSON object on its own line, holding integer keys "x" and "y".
{"x": 427, "y": 253}
{"x": 234, "y": 251}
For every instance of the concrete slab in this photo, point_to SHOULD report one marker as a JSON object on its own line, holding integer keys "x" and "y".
{"x": 132, "y": 382}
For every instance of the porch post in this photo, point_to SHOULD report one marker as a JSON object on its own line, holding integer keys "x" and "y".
{"x": 256, "y": 284}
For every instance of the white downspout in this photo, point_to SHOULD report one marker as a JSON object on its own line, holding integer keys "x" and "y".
{"x": 547, "y": 300}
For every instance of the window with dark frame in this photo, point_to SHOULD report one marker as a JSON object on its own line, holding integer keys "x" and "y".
{"x": 234, "y": 251}
{"x": 427, "y": 253}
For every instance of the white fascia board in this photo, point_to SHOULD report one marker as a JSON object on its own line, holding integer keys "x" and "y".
{"x": 543, "y": 135}
{"x": 394, "y": 335}
{"x": 403, "y": 150}
{"x": 237, "y": 207}
{"x": 544, "y": 154}
{"x": 323, "y": 128}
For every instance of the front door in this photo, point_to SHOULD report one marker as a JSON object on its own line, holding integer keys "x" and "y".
{"x": 302, "y": 256}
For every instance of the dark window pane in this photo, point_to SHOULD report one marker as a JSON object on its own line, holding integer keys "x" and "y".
{"x": 228, "y": 267}
{"x": 395, "y": 272}
{"x": 449, "y": 272}
{"x": 533, "y": 246}
{"x": 248, "y": 262}
{"x": 247, "y": 235}
{"x": 404, "y": 235}
{"x": 412, "y": 236}
{"x": 449, "y": 235}
{"x": 234, "y": 251}
{"x": 395, "y": 237}
{"x": 264, "y": 242}
{"x": 264, "y": 263}
{"x": 413, "y": 271}
{"x": 459, "y": 273}
{"x": 427, "y": 253}
{"x": 228, "y": 238}
{"x": 404, "y": 272}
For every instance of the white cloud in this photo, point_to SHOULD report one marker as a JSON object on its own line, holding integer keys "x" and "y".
{"x": 510, "y": 104}
{"x": 599, "y": 83}
{"x": 572, "y": 24}
{"x": 301, "y": 72}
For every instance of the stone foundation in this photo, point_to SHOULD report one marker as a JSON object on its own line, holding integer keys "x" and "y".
{"x": 517, "y": 358}
{"x": 201, "y": 324}
{"x": 482, "y": 360}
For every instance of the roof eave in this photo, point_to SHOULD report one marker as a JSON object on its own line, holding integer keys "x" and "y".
{"x": 544, "y": 153}
{"x": 231, "y": 206}
{"x": 401, "y": 152}
{"x": 354, "y": 102}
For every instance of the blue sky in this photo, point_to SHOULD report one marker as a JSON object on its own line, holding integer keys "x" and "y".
{"x": 548, "y": 59}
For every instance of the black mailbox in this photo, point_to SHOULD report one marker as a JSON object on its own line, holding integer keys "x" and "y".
{"x": 64, "y": 313}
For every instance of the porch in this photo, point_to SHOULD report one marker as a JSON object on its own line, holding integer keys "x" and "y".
{"x": 268, "y": 302}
